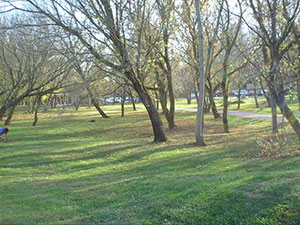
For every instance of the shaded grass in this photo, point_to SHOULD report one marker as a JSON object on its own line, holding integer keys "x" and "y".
{"x": 70, "y": 171}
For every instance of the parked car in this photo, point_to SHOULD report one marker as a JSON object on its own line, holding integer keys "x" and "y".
{"x": 127, "y": 99}
{"x": 236, "y": 93}
{"x": 110, "y": 100}
{"x": 261, "y": 93}
{"x": 251, "y": 93}
{"x": 218, "y": 94}
{"x": 244, "y": 92}
{"x": 118, "y": 99}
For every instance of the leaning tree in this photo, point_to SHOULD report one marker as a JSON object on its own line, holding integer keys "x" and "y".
{"x": 114, "y": 25}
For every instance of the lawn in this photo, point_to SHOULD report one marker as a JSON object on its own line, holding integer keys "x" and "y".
{"x": 68, "y": 170}
{"x": 247, "y": 104}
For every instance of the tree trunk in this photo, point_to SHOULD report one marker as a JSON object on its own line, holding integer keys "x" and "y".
{"x": 10, "y": 115}
{"x": 211, "y": 93}
{"x": 157, "y": 99}
{"x": 166, "y": 111}
{"x": 123, "y": 104}
{"x": 157, "y": 125}
{"x": 114, "y": 98}
{"x": 206, "y": 105}
{"x": 36, "y": 108}
{"x": 199, "y": 132}
{"x": 213, "y": 106}
{"x": 255, "y": 96}
{"x": 298, "y": 93}
{"x": 189, "y": 98}
{"x": 239, "y": 98}
{"x": 77, "y": 106}
{"x": 2, "y": 114}
{"x": 264, "y": 93}
{"x": 225, "y": 106}
{"x": 96, "y": 104}
{"x": 274, "y": 114}
{"x": 133, "y": 103}
{"x": 171, "y": 114}
{"x": 288, "y": 114}
{"x": 132, "y": 100}
{"x": 35, "y": 118}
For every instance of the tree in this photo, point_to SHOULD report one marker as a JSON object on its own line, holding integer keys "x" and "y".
{"x": 163, "y": 60}
{"x": 85, "y": 68}
{"x": 230, "y": 33}
{"x": 274, "y": 30}
{"x": 106, "y": 23}
{"x": 199, "y": 134}
{"x": 189, "y": 34}
{"x": 29, "y": 66}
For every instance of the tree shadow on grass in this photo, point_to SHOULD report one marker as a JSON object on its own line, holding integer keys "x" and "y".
{"x": 177, "y": 188}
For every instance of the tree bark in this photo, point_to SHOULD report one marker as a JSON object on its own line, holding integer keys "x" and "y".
{"x": 35, "y": 118}
{"x": 267, "y": 97}
{"x": 298, "y": 93}
{"x": 167, "y": 113}
{"x": 255, "y": 95}
{"x": 123, "y": 104}
{"x": 133, "y": 103}
{"x": 96, "y": 104}
{"x": 288, "y": 114}
{"x": 211, "y": 93}
{"x": 10, "y": 115}
{"x": 2, "y": 114}
{"x": 225, "y": 106}
{"x": 132, "y": 100}
{"x": 157, "y": 125}
{"x": 189, "y": 97}
{"x": 171, "y": 113}
{"x": 213, "y": 106}
{"x": 36, "y": 106}
{"x": 199, "y": 133}
{"x": 274, "y": 115}
{"x": 239, "y": 98}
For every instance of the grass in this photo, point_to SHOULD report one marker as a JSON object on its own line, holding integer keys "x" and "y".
{"x": 248, "y": 105}
{"x": 68, "y": 170}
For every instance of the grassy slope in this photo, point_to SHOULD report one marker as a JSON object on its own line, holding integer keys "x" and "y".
{"x": 68, "y": 170}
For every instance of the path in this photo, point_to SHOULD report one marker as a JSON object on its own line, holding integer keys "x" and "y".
{"x": 250, "y": 115}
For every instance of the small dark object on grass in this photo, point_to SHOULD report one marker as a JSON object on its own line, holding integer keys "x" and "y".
{"x": 3, "y": 134}
{"x": 92, "y": 120}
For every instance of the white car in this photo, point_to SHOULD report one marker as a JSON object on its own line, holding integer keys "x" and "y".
{"x": 110, "y": 100}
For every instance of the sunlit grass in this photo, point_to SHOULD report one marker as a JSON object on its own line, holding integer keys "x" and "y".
{"x": 247, "y": 104}
{"x": 68, "y": 170}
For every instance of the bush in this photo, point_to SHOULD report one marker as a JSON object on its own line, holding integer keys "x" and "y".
{"x": 276, "y": 145}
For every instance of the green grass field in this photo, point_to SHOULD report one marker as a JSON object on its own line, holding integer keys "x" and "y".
{"x": 247, "y": 104}
{"x": 68, "y": 170}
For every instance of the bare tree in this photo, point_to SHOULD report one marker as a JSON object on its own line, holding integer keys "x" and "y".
{"x": 29, "y": 66}
{"x": 106, "y": 23}
{"x": 230, "y": 33}
{"x": 199, "y": 134}
{"x": 163, "y": 60}
{"x": 274, "y": 30}
{"x": 85, "y": 68}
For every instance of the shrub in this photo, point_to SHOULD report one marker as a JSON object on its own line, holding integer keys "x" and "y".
{"x": 276, "y": 145}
